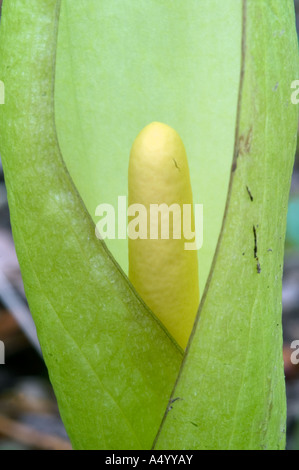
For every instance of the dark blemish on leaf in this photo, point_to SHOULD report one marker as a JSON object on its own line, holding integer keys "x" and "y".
{"x": 245, "y": 143}
{"x": 176, "y": 165}
{"x": 175, "y": 399}
{"x": 172, "y": 401}
{"x": 255, "y": 242}
{"x": 194, "y": 424}
{"x": 258, "y": 266}
{"x": 249, "y": 192}
{"x": 270, "y": 249}
{"x": 276, "y": 86}
{"x": 243, "y": 253}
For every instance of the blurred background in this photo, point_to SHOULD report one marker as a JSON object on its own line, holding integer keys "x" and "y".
{"x": 29, "y": 417}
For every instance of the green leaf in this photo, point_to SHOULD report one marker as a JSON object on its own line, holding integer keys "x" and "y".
{"x": 230, "y": 393}
{"x": 111, "y": 363}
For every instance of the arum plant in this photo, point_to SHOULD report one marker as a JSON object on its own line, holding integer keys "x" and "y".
{"x": 81, "y": 81}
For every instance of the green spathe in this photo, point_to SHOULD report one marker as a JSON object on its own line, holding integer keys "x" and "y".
{"x": 111, "y": 363}
{"x": 149, "y": 61}
{"x": 233, "y": 368}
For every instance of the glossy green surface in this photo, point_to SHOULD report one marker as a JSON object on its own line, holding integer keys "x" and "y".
{"x": 231, "y": 386}
{"x": 111, "y": 364}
